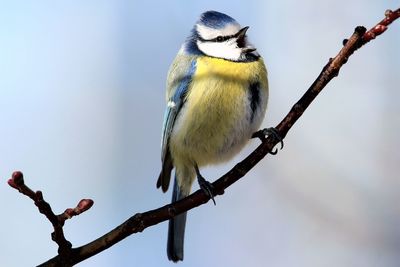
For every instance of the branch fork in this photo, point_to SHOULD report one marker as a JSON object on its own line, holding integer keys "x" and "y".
{"x": 64, "y": 246}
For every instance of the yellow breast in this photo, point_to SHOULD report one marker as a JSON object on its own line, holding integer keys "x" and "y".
{"x": 215, "y": 116}
{"x": 229, "y": 70}
{"x": 224, "y": 82}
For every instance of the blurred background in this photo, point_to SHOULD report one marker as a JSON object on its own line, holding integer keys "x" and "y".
{"x": 81, "y": 109}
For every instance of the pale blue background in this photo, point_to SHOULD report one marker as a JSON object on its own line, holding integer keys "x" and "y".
{"x": 81, "y": 107}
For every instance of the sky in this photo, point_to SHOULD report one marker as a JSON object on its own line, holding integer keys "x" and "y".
{"x": 82, "y": 96}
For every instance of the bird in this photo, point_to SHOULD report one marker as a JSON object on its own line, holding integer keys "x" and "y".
{"x": 216, "y": 95}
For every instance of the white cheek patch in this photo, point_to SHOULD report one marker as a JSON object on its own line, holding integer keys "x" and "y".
{"x": 226, "y": 50}
{"x": 210, "y": 33}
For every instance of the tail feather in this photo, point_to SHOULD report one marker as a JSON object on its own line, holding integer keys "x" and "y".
{"x": 176, "y": 229}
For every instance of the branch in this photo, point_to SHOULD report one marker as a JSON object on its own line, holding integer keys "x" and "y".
{"x": 64, "y": 246}
{"x": 141, "y": 221}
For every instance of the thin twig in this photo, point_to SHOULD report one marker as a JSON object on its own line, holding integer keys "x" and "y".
{"x": 64, "y": 246}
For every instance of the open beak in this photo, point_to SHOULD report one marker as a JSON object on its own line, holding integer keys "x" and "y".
{"x": 242, "y": 33}
{"x": 241, "y": 41}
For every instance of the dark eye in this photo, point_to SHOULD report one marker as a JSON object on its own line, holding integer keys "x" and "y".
{"x": 220, "y": 39}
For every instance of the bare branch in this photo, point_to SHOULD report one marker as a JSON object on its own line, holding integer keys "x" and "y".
{"x": 382, "y": 26}
{"x": 64, "y": 246}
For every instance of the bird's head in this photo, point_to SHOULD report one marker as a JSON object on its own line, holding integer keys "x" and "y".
{"x": 219, "y": 35}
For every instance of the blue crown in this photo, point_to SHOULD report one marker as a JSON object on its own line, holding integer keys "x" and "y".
{"x": 216, "y": 20}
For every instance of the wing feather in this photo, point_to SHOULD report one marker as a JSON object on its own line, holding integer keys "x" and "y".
{"x": 179, "y": 79}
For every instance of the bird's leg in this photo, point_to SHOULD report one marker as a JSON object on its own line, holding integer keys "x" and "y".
{"x": 205, "y": 185}
{"x": 267, "y": 132}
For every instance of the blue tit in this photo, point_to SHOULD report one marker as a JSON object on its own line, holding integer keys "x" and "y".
{"x": 217, "y": 94}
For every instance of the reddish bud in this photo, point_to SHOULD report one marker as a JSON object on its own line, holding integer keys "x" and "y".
{"x": 380, "y": 29}
{"x": 18, "y": 178}
{"x": 84, "y": 205}
{"x": 388, "y": 13}
{"x": 12, "y": 184}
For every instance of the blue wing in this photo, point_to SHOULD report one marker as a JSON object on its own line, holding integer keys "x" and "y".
{"x": 180, "y": 81}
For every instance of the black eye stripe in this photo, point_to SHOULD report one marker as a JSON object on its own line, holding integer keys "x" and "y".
{"x": 223, "y": 38}
{"x": 218, "y": 39}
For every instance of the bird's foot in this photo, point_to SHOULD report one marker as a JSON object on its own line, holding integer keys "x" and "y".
{"x": 205, "y": 185}
{"x": 269, "y": 132}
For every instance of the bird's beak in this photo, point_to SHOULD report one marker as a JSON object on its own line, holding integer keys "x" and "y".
{"x": 249, "y": 49}
{"x": 241, "y": 35}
